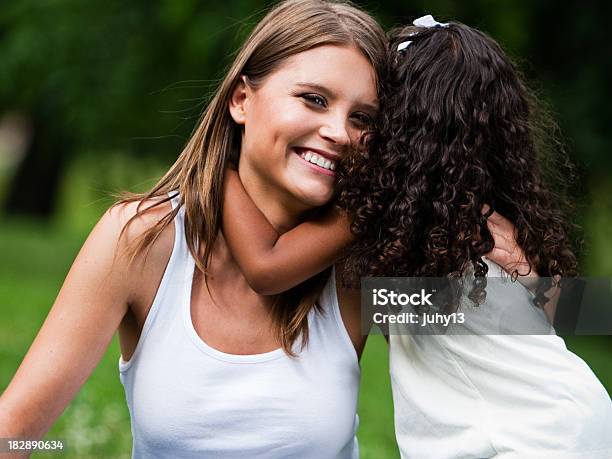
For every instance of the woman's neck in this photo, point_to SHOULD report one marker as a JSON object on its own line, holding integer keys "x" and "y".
{"x": 278, "y": 207}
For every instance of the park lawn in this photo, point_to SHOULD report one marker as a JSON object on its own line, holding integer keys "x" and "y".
{"x": 96, "y": 424}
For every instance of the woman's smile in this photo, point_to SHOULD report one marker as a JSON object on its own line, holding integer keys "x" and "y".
{"x": 300, "y": 121}
{"x": 320, "y": 161}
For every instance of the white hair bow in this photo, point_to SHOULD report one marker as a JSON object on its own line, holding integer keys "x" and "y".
{"x": 424, "y": 21}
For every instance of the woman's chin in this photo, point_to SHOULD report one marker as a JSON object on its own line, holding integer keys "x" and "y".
{"x": 315, "y": 196}
{"x": 313, "y": 190}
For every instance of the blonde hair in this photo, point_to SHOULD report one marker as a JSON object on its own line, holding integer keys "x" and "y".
{"x": 291, "y": 27}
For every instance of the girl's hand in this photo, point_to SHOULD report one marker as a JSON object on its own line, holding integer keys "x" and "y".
{"x": 511, "y": 257}
{"x": 506, "y": 252}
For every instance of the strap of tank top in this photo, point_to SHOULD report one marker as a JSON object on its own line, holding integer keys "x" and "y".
{"x": 169, "y": 291}
{"x": 332, "y": 310}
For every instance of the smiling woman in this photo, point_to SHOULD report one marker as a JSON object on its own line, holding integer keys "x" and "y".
{"x": 308, "y": 108}
{"x": 208, "y": 363}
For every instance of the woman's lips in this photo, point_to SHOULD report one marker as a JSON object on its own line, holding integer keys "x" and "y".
{"x": 316, "y": 161}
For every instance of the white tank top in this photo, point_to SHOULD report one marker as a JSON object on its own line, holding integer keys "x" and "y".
{"x": 506, "y": 396}
{"x": 188, "y": 400}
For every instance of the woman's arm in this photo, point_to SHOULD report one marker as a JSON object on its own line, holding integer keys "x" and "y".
{"x": 77, "y": 331}
{"x": 273, "y": 263}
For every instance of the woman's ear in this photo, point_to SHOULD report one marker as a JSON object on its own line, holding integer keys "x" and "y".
{"x": 237, "y": 103}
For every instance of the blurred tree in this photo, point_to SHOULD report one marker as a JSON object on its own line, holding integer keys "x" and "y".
{"x": 561, "y": 47}
{"x": 133, "y": 76}
{"x": 94, "y": 76}
{"x": 573, "y": 55}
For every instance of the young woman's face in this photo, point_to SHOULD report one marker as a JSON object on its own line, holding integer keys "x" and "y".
{"x": 302, "y": 119}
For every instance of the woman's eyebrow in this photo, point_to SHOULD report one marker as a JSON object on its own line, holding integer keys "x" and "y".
{"x": 316, "y": 87}
{"x": 329, "y": 93}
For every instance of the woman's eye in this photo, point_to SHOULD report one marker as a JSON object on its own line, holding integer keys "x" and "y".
{"x": 362, "y": 119}
{"x": 315, "y": 99}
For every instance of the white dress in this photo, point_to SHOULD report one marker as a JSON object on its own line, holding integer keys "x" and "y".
{"x": 506, "y": 396}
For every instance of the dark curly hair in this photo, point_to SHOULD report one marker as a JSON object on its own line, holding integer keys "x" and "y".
{"x": 458, "y": 130}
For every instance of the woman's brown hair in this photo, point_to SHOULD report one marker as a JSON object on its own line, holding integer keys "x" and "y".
{"x": 291, "y": 27}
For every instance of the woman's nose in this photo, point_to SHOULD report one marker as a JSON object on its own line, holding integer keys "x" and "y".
{"x": 335, "y": 130}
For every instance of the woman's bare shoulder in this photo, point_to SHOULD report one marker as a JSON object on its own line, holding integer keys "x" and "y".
{"x": 144, "y": 215}
{"x": 145, "y": 272}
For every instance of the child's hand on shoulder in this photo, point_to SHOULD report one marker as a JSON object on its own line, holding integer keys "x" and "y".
{"x": 506, "y": 251}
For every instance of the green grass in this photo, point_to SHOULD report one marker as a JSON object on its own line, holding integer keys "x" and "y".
{"x": 376, "y": 434}
{"x": 96, "y": 424}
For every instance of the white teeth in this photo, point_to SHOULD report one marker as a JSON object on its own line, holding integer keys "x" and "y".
{"x": 319, "y": 160}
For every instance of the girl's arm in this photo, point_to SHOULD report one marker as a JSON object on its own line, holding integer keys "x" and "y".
{"x": 273, "y": 263}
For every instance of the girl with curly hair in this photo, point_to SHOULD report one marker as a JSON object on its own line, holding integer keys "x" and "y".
{"x": 452, "y": 183}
